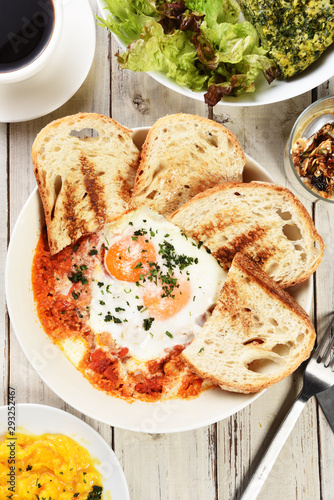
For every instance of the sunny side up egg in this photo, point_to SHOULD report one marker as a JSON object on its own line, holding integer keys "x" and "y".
{"x": 155, "y": 288}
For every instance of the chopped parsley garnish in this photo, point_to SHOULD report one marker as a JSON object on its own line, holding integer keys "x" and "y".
{"x": 169, "y": 334}
{"x": 92, "y": 252}
{"x": 171, "y": 260}
{"x": 100, "y": 284}
{"x": 108, "y": 317}
{"x": 76, "y": 246}
{"x": 78, "y": 276}
{"x": 147, "y": 323}
{"x": 201, "y": 349}
{"x": 102, "y": 302}
{"x": 75, "y": 295}
{"x": 95, "y": 493}
{"x": 167, "y": 252}
{"x": 140, "y": 232}
{"x": 118, "y": 309}
{"x": 29, "y": 467}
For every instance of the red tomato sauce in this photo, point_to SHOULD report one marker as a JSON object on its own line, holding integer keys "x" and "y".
{"x": 61, "y": 287}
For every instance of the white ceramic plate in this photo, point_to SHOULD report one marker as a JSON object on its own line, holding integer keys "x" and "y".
{"x": 62, "y": 76}
{"x": 68, "y": 383}
{"x": 39, "y": 419}
{"x": 279, "y": 90}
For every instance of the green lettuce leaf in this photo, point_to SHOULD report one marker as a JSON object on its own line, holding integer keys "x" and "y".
{"x": 215, "y": 51}
{"x": 129, "y": 17}
{"x": 173, "y": 54}
{"x": 216, "y": 11}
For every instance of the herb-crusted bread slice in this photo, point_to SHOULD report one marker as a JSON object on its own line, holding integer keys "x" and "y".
{"x": 256, "y": 336}
{"x": 264, "y": 221}
{"x": 295, "y": 33}
{"x": 183, "y": 155}
{"x": 84, "y": 181}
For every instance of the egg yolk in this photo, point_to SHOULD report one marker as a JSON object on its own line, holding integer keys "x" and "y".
{"x": 161, "y": 307}
{"x": 128, "y": 258}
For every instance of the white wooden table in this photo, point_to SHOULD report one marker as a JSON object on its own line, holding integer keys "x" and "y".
{"x": 214, "y": 462}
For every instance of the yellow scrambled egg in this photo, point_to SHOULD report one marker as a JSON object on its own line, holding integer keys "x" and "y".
{"x": 46, "y": 467}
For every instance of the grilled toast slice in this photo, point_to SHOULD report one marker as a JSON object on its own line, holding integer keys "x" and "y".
{"x": 264, "y": 221}
{"x": 183, "y": 155}
{"x": 84, "y": 181}
{"x": 256, "y": 335}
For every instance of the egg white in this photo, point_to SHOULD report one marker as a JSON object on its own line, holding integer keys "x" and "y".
{"x": 117, "y": 306}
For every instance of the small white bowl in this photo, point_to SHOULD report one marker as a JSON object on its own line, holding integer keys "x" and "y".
{"x": 37, "y": 64}
{"x": 303, "y": 122}
{"x": 40, "y": 419}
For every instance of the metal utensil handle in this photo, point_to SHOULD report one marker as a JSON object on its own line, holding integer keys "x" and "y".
{"x": 266, "y": 463}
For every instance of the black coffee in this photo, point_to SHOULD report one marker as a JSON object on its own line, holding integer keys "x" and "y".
{"x": 25, "y": 28}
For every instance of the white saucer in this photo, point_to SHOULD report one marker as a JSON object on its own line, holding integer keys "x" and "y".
{"x": 64, "y": 73}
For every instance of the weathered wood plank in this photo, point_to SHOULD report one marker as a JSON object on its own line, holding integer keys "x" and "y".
{"x": 3, "y": 249}
{"x": 324, "y": 220}
{"x": 137, "y": 100}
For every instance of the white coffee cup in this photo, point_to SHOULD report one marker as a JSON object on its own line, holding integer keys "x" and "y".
{"x": 28, "y": 28}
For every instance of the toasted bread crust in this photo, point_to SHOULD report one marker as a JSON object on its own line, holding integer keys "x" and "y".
{"x": 183, "y": 155}
{"x": 83, "y": 182}
{"x": 239, "y": 334}
{"x": 252, "y": 218}
{"x": 257, "y": 275}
